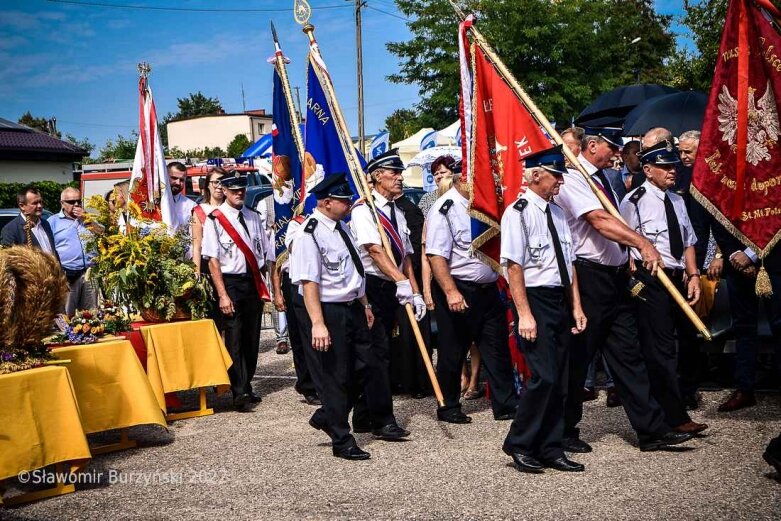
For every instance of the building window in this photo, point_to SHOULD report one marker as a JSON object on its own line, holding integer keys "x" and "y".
{"x": 261, "y": 128}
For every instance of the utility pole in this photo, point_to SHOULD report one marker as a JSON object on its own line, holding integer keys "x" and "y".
{"x": 243, "y": 101}
{"x": 298, "y": 103}
{"x": 359, "y": 58}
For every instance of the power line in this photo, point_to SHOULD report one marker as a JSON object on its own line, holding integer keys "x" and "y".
{"x": 186, "y": 9}
{"x": 388, "y": 13}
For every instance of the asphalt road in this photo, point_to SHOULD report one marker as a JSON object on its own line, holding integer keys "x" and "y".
{"x": 269, "y": 464}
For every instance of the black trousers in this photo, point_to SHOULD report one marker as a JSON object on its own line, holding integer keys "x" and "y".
{"x": 242, "y": 331}
{"x": 313, "y": 366}
{"x": 342, "y": 369}
{"x": 375, "y": 406}
{"x": 658, "y": 319}
{"x": 304, "y": 384}
{"x": 611, "y": 327}
{"x": 484, "y": 323}
{"x": 538, "y": 427}
{"x": 408, "y": 371}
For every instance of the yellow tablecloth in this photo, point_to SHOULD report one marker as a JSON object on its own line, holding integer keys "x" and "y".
{"x": 39, "y": 421}
{"x": 185, "y": 355}
{"x": 112, "y": 389}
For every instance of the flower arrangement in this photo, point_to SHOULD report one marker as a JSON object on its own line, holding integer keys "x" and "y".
{"x": 143, "y": 269}
{"x": 87, "y": 326}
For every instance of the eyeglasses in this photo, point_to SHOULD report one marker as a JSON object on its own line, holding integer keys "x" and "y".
{"x": 215, "y": 183}
{"x": 73, "y": 202}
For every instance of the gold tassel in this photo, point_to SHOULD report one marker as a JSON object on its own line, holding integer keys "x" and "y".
{"x": 764, "y": 288}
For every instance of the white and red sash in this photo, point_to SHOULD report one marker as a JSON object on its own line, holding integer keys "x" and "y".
{"x": 249, "y": 257}
{"x": 396, "y": 243}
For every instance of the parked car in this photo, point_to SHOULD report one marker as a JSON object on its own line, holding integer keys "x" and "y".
{"x": 8, "y": 214}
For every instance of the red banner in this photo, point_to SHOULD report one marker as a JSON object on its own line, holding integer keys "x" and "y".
{"x": 499, "y": 133}
{"x": 737, "y": 174}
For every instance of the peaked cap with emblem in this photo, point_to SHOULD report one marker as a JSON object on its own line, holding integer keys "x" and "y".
{"x": 334, "y": 186}
{"x": 610, "y": 134}
{"x": 551, "y": 159}
{"x": 234, "y": 181}
{"x": 662, "y": 153}
{"x": 389, "y": 160}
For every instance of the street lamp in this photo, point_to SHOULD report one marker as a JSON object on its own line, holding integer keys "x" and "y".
{"x": 637, "y": 70}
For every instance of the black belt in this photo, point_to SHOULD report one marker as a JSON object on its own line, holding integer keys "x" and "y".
{"x": 613, "y": 270}
{"x": 74, "y": 274}
{"x": 379, "y": 280}
{"x": 236, "y": 276}
{"x": 475, "y": 285}
{"x": 345, "y": 304}
{"x": 673, "y": 273}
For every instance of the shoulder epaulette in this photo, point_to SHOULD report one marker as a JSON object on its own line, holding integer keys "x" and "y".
{"x": 212, "y": 216}
{"x": 638, "y": 193}
{"x": 446, "y": 207}
{"x": 311, "y": 225}
{"x": 520, "y": 204}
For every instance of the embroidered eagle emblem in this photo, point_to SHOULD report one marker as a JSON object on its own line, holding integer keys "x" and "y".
{"x": 763, "y": 126}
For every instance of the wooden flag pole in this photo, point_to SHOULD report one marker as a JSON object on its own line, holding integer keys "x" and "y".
{"x": 508, "y": 77}
{"x": 360, "y": 181}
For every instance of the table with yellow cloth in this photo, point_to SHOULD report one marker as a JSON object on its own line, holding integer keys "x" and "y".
{"x": 185, "y": 355}
{"x": 40, "y": 424}
{"x": 112, "y": 389}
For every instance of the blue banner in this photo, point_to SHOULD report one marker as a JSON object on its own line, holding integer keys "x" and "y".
{"x": 324, "y": 154}
{"x": 286, "y": 165}
{"x": 380, "y": 144}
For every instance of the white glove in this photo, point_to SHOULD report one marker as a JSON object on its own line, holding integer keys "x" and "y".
{"x": 420, "y": 306}
{"x": 404, "y": 292}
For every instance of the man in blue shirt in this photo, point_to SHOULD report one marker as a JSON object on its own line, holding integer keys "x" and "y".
{"x": 70, "y": 237}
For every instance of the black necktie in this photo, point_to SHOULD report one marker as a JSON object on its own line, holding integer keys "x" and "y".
{"x": 563, "y": 273}
{"x": 676, "y": 240}
{"x": 393, "y": 215}
{"x": 353, "y": 254}
{"x": 606, "y": 186}
{"x": 243, "y": 222}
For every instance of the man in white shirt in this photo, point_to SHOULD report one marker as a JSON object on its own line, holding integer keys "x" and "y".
{"x": 537, "y": 254}
{"x": 238, "y": 249}
{"x": 600, "y": 247}
{"x": 183, "y": 205}
{"x": 467, "y": 307}
{"x": 655, "y": 211}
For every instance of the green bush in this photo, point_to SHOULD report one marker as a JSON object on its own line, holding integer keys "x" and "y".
{"x": 50, "y": 192}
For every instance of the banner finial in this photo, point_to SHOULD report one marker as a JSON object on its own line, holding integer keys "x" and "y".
{"x": 301, "y": 11}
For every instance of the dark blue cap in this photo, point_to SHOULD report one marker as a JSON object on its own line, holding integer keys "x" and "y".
{"x": 610, "y": 134}
{"x": 662, "y": 153}
{"x": 389, "y": 160}
{"x": 551, "y": 159}
{"x": 234, "y": 181}
{"x": 334, "y": 186}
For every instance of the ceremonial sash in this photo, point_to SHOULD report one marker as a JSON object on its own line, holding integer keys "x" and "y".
{"x": 199, "y": 213}
{"x": 396, "y": 244}
{"x": 249, "y": 257}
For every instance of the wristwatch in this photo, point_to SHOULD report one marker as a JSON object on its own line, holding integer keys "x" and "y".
{"x": 718, "y": 255}
{"x": 367, "y": 306}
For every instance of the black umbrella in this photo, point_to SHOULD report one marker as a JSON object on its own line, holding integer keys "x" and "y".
{"x": 614, "y": 105}
{"x": 676, "y": 112}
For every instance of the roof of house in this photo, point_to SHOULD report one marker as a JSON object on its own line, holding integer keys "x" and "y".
{"x": 19, "y": 142}
{"x": 257, "y": 113}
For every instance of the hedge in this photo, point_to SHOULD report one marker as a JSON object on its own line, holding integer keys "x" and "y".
{"x": 50, "y": 192}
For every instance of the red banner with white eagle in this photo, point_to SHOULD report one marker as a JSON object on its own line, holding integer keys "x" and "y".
{"x": 499, "y": 132}
{"x": 737, "y": 174}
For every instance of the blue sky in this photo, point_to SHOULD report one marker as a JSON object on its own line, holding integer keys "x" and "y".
{"x": 78, "y": 62}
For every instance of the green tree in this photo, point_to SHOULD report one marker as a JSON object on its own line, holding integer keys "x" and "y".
{"x": 239, "y": 144}
{"x": 401, "y": 124}
{"x": 41, "y": 124}
{"x": 84, "y": 144}
{"x": 123, "y": 149}
{"x": 693, "y": 69}
{"x": 563, "y": 53}
{"x": 196, "y": 105}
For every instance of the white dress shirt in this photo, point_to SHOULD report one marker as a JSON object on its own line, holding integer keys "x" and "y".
{"x": 322, "y": 257}
{"x": 40, "y": 234}
{"x": 365, "y": 231}
{"x": 576, "y": 199}
{"x": 653, "y": 221}
{"x": 183, "y": 209}
{"x": 536, "y": 255}
{"x": 217, "y": 244}
{"x": 450, "y": 236}
{"x": 293, "y": 231}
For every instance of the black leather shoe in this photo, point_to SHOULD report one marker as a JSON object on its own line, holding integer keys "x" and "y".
{"x": 564, "y": 464}
{"x": 255, "y": 398}
{"x": 505, "y": 417}
{"x": 320, "y": 427}
{"x": 352, "y": 453}
{"x": 390, "y": 432}
{"x": 665, "y": 441}
{"x": 453, "y": 416}
{"x": 612, "y": 398}
{"x": 359, "y": 428}
{"x": 312, "y": 399}
{"x": 774, "y": 460}
{"x": 525, "y": 463}
{"x": 419, "y": 395}
{"x": 575, "y": 445}
{"x": 242, "y": 402}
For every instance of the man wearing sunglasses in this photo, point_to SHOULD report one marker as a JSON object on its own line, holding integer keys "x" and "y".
{"x": 70, "y": 237}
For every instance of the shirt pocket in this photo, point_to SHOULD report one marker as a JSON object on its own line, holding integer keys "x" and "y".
{"x": 539, "y": 245}
{"x": 652, "y": 229}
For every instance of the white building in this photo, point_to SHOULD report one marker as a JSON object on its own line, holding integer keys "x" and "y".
{"x": 28, "y": 155}
{"x": 217, "y": 130}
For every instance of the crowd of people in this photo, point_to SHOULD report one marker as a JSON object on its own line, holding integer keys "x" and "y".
{"x": 345, "y": 294}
